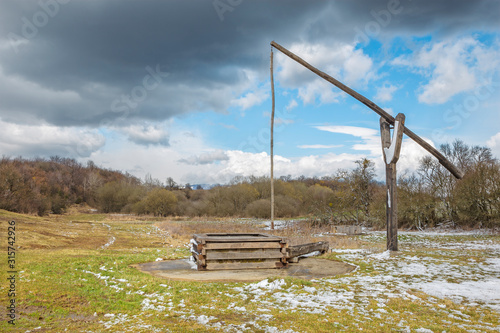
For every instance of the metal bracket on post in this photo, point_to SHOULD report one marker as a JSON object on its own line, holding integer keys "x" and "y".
{"x": 391, "y": 150}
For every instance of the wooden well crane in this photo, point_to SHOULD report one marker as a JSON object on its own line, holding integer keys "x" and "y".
{"x": 390, "y": 148}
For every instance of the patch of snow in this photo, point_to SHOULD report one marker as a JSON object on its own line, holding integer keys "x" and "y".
{"x": 116, "y": 287}
{"x": 98, "y": 275}
{"x": 423, "y": 330}
{"x": 192, "y": 263}
{"x": 278, "y": 224}
{"x": 312, "y": 254}
{"x": 109, "y": 243}
{"x": 349, "y": 250}
{"x": 381, "y": 256}
{"x": 309, "y": 289}
{"x": 203, "y": 319}
{"x": 265, "y": 317}
{"x": 148, "y": 304}
{"x": 478, "y": 291}
{"x": 266, "y": 285}
{"x": 115, "y": 320}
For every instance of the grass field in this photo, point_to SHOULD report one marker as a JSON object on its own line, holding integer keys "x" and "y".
{"x": 74, "y": 274}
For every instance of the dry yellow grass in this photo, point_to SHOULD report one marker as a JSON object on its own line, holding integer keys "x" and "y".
{"x": 75, "y": 274}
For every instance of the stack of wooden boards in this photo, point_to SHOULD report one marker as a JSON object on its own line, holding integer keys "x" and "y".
{"x": 223, "y": 251}
{"x": 238, "y": 251}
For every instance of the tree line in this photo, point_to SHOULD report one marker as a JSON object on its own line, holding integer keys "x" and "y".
{"x": 427, "y": 197}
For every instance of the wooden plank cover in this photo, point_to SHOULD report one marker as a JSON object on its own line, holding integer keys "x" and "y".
{"x": 234, "y": 255}
{"x": 244, "y": 265}
{"x": 231, "y": 238}
{"x": 244, "y": 245}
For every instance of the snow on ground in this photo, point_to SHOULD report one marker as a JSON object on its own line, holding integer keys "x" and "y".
{"x": 111, "y": 240}
{"x": 464, "y": 281}
{"x": 279, "y": 224}
{"x": 468, "y": 282}
{"x": 468, "y": 277}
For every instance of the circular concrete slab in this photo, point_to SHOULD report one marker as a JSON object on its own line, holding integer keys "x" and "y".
{"x": 306, "y": 268}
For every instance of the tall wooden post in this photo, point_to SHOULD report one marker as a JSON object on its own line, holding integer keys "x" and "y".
{"x": 272, "y": 143}
{"x": 391, "y": 150}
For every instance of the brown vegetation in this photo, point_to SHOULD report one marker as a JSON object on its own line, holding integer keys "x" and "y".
{"x": 429, "y": 197}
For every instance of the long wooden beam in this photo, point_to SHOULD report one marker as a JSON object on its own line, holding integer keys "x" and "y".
{"x": 381, "y": 112}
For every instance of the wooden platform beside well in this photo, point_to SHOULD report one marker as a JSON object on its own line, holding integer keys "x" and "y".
{"x": 347, "y": 229}
{"x": 216, "y": 251}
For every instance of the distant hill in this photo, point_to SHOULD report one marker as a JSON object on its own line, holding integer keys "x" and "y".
{"x": 50, "y": 185}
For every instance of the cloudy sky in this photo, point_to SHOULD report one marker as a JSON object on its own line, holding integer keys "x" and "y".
{"x": 181, "y": 88}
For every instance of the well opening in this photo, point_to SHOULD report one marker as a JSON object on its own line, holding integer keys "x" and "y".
{"x": 223, "y": 251}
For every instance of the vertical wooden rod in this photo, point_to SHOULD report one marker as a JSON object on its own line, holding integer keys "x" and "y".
{"x": 272, "y": 143}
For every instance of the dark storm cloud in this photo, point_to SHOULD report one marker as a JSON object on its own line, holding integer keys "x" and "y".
{"x": 99, "y": 62}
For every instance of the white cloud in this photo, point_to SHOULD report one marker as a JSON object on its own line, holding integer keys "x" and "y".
{"x": 190, "y": 159}
{"x": 283, "y": 121}
{"x": 292, "y": 105}
{"x": 146, "y": 134}
{"x": 318, "y": 89}
{"x": 258, "y": 164}
{"x": 206, "y": 158}
{"x": 370, "y": 138}
{"x": 494, "y": 144}
{"x": 385, "y": 92}
{"x": 252, "y": 98}
{"x": 279, "y": 120}
{"x": 389, "y": 111}
{"x": 219, "y": 166}
{"x": 362, "y": 132}
{"x": 48, "y": 140}
{"x": 411, "y": 152}
{"x": 357, "y": 68}
{"x": 158, "y": 160}
{"x": 340, "y": 60}
{"x": 452, "y": 66}
{"x": 319, "y": 146}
